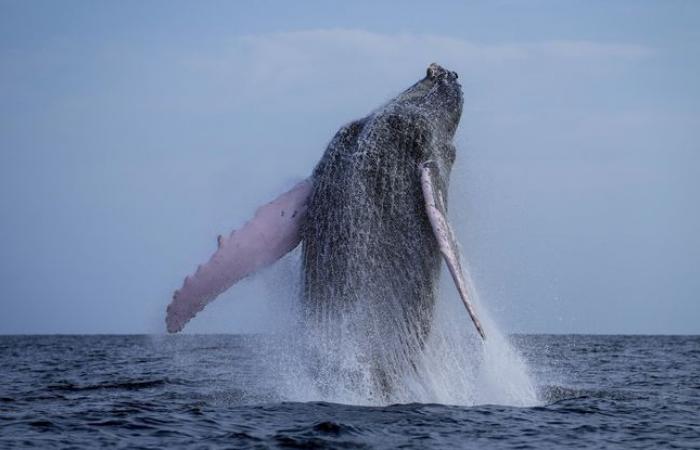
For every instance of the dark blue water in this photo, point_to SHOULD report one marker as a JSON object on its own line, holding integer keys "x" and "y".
{"x": 210, "y": 392}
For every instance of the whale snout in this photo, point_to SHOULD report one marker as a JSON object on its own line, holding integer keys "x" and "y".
{"x": 436, "y": 71}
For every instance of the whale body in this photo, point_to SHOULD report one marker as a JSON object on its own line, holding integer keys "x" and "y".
{"x": 372, "y": 223}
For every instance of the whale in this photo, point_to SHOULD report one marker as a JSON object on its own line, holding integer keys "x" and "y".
{"x": 372, "y": 223}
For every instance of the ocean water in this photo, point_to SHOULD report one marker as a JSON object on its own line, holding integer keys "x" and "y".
{"x": 221, "y": 391}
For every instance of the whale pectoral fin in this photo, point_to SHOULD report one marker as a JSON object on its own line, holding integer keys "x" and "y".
{"x": 437, "y": 214}
{"x": 270, "y": 234}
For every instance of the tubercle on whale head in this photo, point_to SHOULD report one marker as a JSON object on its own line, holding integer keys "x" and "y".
{"x": 435, "y": 71}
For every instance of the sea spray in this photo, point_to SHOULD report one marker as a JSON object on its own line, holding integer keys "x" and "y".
{"x": 332, "y": 364}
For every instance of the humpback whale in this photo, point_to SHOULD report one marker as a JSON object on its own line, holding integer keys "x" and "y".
{"x": 371, "y": 220}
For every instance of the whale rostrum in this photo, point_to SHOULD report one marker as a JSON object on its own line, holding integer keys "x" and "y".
{"x": 371, "y": 220}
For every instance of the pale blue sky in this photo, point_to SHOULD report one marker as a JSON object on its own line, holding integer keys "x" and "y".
{"x": 132, "y": 133}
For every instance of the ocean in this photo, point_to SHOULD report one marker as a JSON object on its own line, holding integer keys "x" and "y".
{"x": 220, "y": 391}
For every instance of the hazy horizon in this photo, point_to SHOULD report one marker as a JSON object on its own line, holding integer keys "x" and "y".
{"x": 132, "y": 134}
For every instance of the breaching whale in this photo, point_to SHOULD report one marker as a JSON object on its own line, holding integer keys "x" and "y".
{"x": 371, "y": 219}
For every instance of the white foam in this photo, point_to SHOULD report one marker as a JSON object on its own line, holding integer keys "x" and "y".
{"x": 454, "y": 367}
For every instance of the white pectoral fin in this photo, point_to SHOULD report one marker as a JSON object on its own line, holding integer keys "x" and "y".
{"x": 272, "y": 233}
{"x": 437, "y": 213}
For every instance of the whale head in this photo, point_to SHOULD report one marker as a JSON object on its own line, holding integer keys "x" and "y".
{"x": 437, "y": 97}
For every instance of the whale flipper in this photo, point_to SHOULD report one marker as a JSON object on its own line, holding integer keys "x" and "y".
{"x": 270, "y": 234}
{"x": 437, "y": 213}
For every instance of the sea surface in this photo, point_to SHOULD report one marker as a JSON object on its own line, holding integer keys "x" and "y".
{"x": 214, "y": 392}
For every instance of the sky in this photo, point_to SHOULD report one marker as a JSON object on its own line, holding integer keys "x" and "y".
{"x": 133, "y": 133}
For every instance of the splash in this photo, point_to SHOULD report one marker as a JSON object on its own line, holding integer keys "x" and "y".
{"x": 453, "y": 366}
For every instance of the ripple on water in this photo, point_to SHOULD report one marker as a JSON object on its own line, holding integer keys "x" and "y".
{"x": 172, "y": 399}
